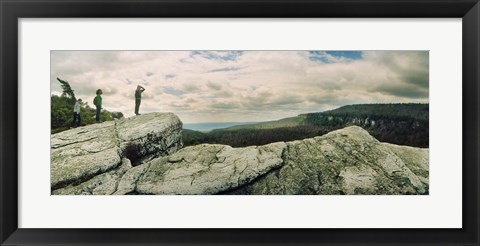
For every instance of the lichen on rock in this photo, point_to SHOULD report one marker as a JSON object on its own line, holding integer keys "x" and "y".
{"x": 346, "y": 161}
{"x": 103, "y": 184}
{"x": 209, "y": 169}
{"x": 80, "y": 155}
{"x": 91, "y": 160}
{"x": 155, "y": 133}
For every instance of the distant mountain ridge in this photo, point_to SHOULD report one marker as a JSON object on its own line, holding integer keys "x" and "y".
{"x": 285, "y": 122}
{"x": 208, "y": 126}
{"x": 400, "y": 123}
{"x": 415, "y": 111}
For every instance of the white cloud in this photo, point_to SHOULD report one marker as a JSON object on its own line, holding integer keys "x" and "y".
{"x": 244, "y": 86}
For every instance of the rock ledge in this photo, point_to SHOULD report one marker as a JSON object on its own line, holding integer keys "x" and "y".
{"x": 89, "y": 160}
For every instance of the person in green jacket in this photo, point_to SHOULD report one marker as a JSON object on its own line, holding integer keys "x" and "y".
{"x": 98, "y": 104}
{"x": 138, "y": 98}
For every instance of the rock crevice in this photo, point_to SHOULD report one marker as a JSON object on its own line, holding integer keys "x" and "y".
{"x": 90, "y": 160}
{"x": 81, "y": 154}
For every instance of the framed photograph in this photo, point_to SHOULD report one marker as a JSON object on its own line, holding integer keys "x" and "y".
{"x": 232, "y": 122}
{"x": 277, "y": 122}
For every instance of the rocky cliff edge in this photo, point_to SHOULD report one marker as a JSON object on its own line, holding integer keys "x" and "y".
{"x": 91, "y": 160}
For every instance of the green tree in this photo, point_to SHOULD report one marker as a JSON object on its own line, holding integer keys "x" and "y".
{"x": 61, "y": 112}
{"x": 67, "y": 90}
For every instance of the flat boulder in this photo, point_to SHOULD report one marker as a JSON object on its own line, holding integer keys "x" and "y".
{"x": 81, "y": 154}
{"x": 205, "y": 169}
{"x": 347, "y": 161}
{"x": 155, "y": 133}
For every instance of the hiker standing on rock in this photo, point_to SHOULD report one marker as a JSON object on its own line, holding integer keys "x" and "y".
{"x": 138, "y": 98}
{"x": 76, "y": 113}
{"x": 98, "y": 104}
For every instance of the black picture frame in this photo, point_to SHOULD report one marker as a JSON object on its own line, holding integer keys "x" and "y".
{"x": 11, "y": 11}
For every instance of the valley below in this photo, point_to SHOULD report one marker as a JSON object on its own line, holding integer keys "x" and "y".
{"x": 402, "y": 124}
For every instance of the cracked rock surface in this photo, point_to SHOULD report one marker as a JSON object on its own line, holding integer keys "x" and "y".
{"x": 346, "y": 161}
{"x": 155, "y": 133}
{"x": 204, "y": 169}
{"x": 88, "y": 160}
{"x": 94, "y": 152}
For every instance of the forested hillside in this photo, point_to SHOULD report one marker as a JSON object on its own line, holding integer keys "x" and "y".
{"x": 403, "y": 124}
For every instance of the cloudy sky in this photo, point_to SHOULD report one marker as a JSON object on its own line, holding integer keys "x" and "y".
{"x": 241, "y": 86}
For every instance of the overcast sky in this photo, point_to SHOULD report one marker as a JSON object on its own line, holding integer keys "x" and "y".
{"x": 241, "y": 86}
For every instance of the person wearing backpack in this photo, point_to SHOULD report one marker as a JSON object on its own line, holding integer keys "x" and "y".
{"x": 98, "y": 104}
